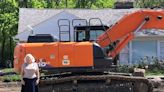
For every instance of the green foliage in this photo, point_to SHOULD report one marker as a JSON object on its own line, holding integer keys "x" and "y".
{"x": 103, "y": 4}
{"x": 38, "y": 4}
{"x": 126, "y": 69}
{"x": 155, "y": 71}
{"x": 152, "y": 65}
{"x": 8, "y": 28}
{"x": 6, "y": 70}
{"x": 9, "y": 78}
{"x": 94, "y": 4}
{"x": 149, "y": 3}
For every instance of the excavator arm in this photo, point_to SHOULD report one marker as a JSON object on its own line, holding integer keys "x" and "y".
{"x": 124, "y": 30}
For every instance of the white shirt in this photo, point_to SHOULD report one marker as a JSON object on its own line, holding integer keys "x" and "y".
{"x": 30, "y": 70}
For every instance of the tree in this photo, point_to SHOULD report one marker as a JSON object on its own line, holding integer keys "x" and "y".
{"x": 8, "y": 27}
{"x": 149, "y": 3}
{"x": 103, "y": 3}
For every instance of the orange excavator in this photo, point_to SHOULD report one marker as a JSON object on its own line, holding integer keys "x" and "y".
{"x": 84, "y": 65}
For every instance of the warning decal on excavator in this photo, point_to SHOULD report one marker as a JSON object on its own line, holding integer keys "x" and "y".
{"x": 52, "y": 56}
{"x": 65, "y": 60}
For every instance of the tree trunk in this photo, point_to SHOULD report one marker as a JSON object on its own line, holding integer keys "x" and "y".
{"x": 3, "y": 49}
{"x": 77, "y": 3}
{"x": 49, "y": 3}
{"x": 83, "y": 3}
{"x": 11, "y": 52}
{"x": 66, "y": 3}
{"x": 57, "y": 3}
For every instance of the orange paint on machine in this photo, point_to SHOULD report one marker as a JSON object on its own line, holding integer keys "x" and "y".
{"x": 47, "y": 55}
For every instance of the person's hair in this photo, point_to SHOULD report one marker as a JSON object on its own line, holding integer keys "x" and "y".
{"x": 30, "y": 56}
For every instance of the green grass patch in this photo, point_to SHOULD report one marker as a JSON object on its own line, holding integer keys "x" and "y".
{"x": 155, "y": 71}
{"x": 10, "y": 78}
{"x": 6, "y": 70}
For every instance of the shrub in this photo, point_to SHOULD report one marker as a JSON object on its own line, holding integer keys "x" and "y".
{"x": 9, "y": 78}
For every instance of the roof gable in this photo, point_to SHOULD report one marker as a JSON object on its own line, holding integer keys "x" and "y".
{"x": 34, "y": 17}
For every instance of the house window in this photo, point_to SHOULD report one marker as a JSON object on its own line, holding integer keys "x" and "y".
{"x": 142, "y": 49}
{"x": 161, "y": 50}
{"x": 124, "y": 56}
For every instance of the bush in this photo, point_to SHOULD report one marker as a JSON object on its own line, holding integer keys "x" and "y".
{"x": 9, "y": 75}
{"x": 6, "y": 70}
{"x": 152, "y": 65}
{"x": 125, "y": 69}
{"x": 9, "y": 78}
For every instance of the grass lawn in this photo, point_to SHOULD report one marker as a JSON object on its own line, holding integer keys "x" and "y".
{"x": 155, "y": 72}
{"x": 6, "y": 70}
{"x": 10, "y": 77}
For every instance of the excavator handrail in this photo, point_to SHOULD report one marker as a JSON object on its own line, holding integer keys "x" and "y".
{"x": 74, "y": 21}
{"x": 66, "y": 24}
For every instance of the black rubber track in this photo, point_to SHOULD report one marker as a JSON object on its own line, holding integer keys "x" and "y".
{"x": 96, "y": 83}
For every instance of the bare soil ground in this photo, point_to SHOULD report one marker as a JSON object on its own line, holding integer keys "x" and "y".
{"x": 10, "y": 89}
{"x": 160, "y": 89}
{"x": 18, "y": 88}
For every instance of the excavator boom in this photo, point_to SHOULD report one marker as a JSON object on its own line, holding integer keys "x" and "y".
{"x": 125, "y": 29}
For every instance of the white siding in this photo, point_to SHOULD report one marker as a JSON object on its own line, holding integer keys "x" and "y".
{"x": 142, "y": 49}
{"x": 124, "y": 55}
{"x": 151, "y": 46}
{"x": 50, "y": 26}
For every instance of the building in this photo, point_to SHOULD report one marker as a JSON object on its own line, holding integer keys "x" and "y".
{"x": 148, "y": 43}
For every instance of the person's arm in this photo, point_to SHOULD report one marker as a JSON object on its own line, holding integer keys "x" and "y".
{"x": 37, "y": 74}
{"x": 22, "y": 74}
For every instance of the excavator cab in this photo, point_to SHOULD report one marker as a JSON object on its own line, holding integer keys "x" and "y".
{"x": 87, "y": 31}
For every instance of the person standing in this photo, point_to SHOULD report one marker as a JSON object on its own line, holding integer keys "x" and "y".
{"x": 30, "y": 74}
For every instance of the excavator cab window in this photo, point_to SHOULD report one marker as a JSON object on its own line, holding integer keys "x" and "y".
{"x": 88, "y": 30}
{"x": 88, "y": 33}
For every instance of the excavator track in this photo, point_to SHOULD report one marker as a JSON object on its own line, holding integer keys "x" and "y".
{"x": 96, "y": 83}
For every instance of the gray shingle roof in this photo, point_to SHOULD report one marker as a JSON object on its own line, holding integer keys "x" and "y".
{"x": 33, "y": 17}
